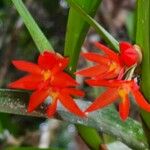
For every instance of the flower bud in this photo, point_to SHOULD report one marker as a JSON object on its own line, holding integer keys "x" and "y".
{"x": 128, "y": 54}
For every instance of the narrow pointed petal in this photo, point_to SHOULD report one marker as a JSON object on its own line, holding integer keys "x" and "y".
{"x": 110, "y": 75}
{"x": 92, "y": 71}
{"x": 36, "y": 99}
{"x": 69, "y": 103}
{"x": 27, "y": 66}
{"x": 112, "y": 55}
{"x": 52, "y": 108}
{"x": 96, "y": 58}
{"x": 124, "y": 108}
{"x": 141, "y": 101}
{"x": 29, "y": 82}
{"x": 62, "y": 79}
{"x": 74, "y": 92}
{"x": 106, "y": 98}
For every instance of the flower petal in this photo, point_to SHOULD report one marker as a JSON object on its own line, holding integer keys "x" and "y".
{"x": 124, "y": 108}
{"x": 52, "y": 108}
{"x": 47, "y": 60}
{"x": 27, "y": 66}
{"x": 69, "y": 103}
{"x": 141, "y": 101}
{"x": 92, "y": 71}
{"x": 73, "y": 91}
{"x": 29, "y": 82}
{"x": 51, "y": 60}
{"x": 62, "y": 79}
{"x": 112, "y": 55}
{"x": 107, "y": 75}
{"x": 96, "y": 58}
{"x": 60, "y": 65}
{"x": 37, "y": 98}
{"x": 106, "y": 98}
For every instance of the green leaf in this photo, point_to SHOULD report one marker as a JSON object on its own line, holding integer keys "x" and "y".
{"x": 130, "y": 25}
{"x": 37, "y": 35}
{"x": 105, "y": 35}
{"x": 143, "y": 40}
{"x": 106, "y": 120}
{"x": 77, "y": 29}
{"x": 75, "y": 36}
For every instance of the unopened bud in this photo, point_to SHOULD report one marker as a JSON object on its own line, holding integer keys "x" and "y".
{"x": 128, "y": 54}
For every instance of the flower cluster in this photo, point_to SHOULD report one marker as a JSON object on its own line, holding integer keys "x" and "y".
{"x": 47, "y": 78}
{"x": 110, "y": 72}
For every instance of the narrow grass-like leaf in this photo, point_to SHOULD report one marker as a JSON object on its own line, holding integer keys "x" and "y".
{"x": 37, "y": 35}
{"x": 106, "y": 120}
{"x": 105, "y": 35}
{"x": 143, "y": 40}
{"x": 77, "y": 29}
{"x": 130, "y": 25}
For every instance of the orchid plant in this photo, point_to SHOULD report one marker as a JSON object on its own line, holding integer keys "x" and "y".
{"x": 114, "y": 68}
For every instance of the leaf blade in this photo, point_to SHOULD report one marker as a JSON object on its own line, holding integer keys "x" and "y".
{"x": 77, "y": 29}
{"x": 106, "y": 120}
{"x": 37, "y": 35}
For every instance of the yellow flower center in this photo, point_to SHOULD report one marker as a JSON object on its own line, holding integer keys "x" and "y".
{"x": 113, "y": 66}
{"x": 122, "y": 93}
{"x": 54, "y": 95}
{"x": 46, "y": 74}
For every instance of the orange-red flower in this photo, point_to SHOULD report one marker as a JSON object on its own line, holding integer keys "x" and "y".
{"x": 118, "y": 89}
{"x": 110, "y": 65}
{"x": 107, "y": 65}
{"x": 47, "y": 78}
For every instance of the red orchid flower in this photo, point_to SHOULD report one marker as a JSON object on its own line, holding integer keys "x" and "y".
{"x": 48, "y": 79}
{"x": 111, "y": 64}
{"x": 107, "y": 66}
{"x": 118, "y": 89}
